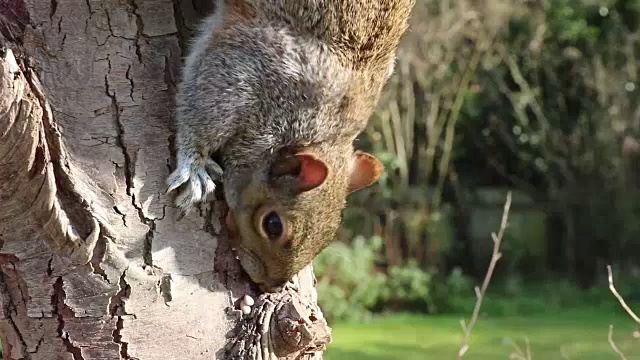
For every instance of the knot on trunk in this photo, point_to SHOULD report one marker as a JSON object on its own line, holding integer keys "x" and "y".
{"x": 283, "y": 325}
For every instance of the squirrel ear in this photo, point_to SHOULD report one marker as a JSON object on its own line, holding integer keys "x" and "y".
{"x": 366, "y": 171}
{"x": 313, "y": 171}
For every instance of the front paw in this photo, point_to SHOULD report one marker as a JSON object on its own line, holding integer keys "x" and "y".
{"x": 196, "y": 174}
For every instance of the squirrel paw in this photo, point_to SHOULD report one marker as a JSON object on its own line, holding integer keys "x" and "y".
{"x": 197, "y": 175}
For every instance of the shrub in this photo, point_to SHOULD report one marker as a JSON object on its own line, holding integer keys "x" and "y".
{"x": 408, "y": 288}
{"x": 348, "y": 286}
{"x": 453, "y": 295}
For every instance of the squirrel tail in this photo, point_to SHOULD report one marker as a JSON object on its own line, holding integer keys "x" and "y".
{"x": 366, "y": 32}
{"x": 363, "y": 33}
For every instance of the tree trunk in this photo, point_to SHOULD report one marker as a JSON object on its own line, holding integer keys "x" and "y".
{"x": 92, "y": 262}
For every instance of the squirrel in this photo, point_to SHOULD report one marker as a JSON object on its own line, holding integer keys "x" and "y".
{"x": 279, "y": 90}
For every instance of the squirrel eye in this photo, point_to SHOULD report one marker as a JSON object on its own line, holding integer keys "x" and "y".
{"x": 272, "y": 225}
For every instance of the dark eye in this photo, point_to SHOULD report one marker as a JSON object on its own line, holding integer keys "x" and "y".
{"x": 272, "y": 225}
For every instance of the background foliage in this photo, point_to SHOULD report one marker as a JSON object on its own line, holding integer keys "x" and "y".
{"x": 539, "y": 97}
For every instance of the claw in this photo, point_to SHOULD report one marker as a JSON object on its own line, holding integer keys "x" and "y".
{"x": 205, "y": 180}
{"x": 196, "y": 188}
{"x": 196, "y": 174}
{"x": 213, "y": 168}
{"x": 184, "y": 200}
{"x": 177, "y": 178}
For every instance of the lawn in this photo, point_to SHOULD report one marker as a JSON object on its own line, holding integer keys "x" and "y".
{"x": 581, "y": 335}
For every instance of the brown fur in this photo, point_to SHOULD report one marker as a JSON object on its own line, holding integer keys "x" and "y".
{"x": 264, "y": 82}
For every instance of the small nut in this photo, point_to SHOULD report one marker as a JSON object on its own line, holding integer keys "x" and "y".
{"x": 248, "y": 300}
{"x": 246, "y": 309}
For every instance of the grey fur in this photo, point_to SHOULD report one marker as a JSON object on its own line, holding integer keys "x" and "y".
{"x": 255, "y": 84}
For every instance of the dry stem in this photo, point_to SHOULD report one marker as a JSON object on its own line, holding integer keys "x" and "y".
{"x": 619, "y": 297}
{"x": 497, "y": 239}
{"x": 625, "y": 307}
{"x": 613, "y": 344}
{"x": 519, "y": 354}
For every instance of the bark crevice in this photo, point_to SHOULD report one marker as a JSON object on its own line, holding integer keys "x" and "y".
{"x": 116, "y": 111}
{"x": 117, "y": 310}
{"x": 60, "y": 309}
{"x": 139, "y": 26}
{"x": 18, "y": 333}
{"x": 10, "y": 312}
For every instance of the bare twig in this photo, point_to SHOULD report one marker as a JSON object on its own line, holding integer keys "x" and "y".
{"x": 519, "y": 354}
{"x": 613, "y": 344}
{"x": 619, "y": 297}
{"x": 497, "y": 239}
{"x": 624, "y": 306}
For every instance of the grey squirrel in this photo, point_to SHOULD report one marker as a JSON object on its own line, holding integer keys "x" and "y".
{"x": 280, "y": 89}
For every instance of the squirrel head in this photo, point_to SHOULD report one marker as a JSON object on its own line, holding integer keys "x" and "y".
{"x": 288, "y": 216}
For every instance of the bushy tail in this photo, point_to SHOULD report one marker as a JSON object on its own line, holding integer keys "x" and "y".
{"x": 363, "y": 32}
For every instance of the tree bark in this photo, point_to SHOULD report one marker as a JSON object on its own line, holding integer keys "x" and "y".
{"x": 93, "y": 264}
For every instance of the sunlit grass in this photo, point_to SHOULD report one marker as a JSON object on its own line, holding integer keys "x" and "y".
{"x": 580, "y": 335}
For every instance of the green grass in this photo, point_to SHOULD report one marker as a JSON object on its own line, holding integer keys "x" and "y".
{"x": 582, "y": 334}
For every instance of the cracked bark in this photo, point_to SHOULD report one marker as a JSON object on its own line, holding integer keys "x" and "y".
{"x": 92, "y": 262}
